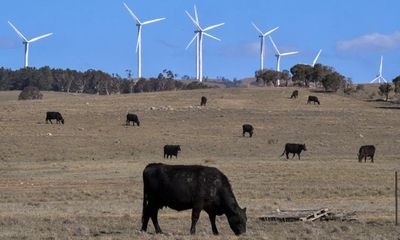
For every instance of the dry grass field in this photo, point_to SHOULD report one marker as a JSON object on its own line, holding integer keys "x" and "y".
{"x": 82, "y": 180}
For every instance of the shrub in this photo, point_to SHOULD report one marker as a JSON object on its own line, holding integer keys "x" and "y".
{"x": 30, "y": 93}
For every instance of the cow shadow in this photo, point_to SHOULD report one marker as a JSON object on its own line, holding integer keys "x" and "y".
{"x": 391, "y": 107}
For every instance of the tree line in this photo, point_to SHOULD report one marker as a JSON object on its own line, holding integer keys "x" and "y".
{"x": 91, "y": 81}
{"x": 304, "y": 75}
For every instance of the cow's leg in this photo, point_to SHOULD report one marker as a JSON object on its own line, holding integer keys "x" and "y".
{"x": 298, "y": 154}
{"x": 145, "y": 218}
{"x": 213, "y": 226}
{"x": 372, "y": 158}
{"x": 195, "y": 217}
{"x": 294, "y": 154}
{"x": 287, "y": 155}
{"x": 154, "y": 219}
{"x": 50, "y": 121}
{"x": 365, "y": 158}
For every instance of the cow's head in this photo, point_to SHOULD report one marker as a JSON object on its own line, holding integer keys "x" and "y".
{"x": 304, "y": 147}
{"x": 237, "y": 221}
{"x": 62, "y": 120}
{"x": 178, "y": 148}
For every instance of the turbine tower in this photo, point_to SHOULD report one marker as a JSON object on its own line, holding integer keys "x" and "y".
{"x": 199, "y": 32}
{"x": 26, "y": 42}
{"x": 380, "y": 77}
{"x": 262, "y": 37}
{"x": 278, "y": 57}
{"x": 140, "y": 25}
{"x": 316, "y": 58}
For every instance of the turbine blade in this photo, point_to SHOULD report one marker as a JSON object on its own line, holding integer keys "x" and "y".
{"x": 211, "y": 36}
{"x": 151, "y": 21}
{"x": 196, "y": 15}
{"x": 133, "y": 15}
{"x": 190, "y": 43}
{"x": 194, "y": 21}
{"x": 380, "y": 68}
{"x": 212, "y": 27}
{"x": 37, "y": 38}
{"x": 258, "y": 30}
{"x": 270, "y": 31}
{"x": 18, "y": 32}
{"x": 375, "y": 79}
{"x": 316, "y": 58}
{"x": 273, "y": 43}
{"x": 288, "y": 53}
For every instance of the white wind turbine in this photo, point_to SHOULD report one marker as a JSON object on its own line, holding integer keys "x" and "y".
{"x": 278, "y": 57}
{"x": 140, "y": 25}
{"x": 199, "y": 32}
{"x": 316, "y": 58}
{"x": 380, "y": 77}
{"x": 262, "y": 48}
{"x": 26, "y": 42}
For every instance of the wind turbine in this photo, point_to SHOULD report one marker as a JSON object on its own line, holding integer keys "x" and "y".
{"x": 26, "y": 42}
{"x": 316, "y": 58}
{"x": 380, "y": 77}
{"x": 262, "y": 37}
{"x": 278, "y": 57}
{"x": 140, "y": 25}
{"x": 199, "y": 32}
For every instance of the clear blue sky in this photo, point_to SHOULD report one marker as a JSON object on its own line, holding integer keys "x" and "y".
{"x": 100, "y": 34}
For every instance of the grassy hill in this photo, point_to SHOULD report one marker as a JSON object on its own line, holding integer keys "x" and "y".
{"x": 83, "y": 179}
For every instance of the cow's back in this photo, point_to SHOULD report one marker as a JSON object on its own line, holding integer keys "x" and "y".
{"x": 178, "y": 186}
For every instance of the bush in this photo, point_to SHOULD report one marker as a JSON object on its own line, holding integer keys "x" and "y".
{"x": 30, "y": 93}
{"x": 359, "y": 88}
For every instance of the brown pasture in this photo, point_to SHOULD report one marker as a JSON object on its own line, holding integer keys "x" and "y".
{"x": 83, "y": 179}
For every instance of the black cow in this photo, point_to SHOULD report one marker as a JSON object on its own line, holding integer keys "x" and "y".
{"x": 247, "y": 128}
{"x": 293, "y": 148}
{"x": 130, "y": 117}
{"x": 313, "y": 99}
{"x": 190, "y": 187}
{"x": 170, "y": 150}
{"x": 203, "y": 101}
{"x": 366, "y": 151}
{"x": 54, "y": 115}
{"x": 295, "y": 94}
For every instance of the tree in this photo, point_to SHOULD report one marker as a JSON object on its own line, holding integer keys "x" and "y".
{"x": 333, "y": 82}
{"x": 302, "y": 73}
{"x": 267, "y": 76}
{"x": 396, "y": 82}
{"x": 385, "y": 89}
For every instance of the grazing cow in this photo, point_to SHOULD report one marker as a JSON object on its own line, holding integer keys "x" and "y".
{"x": 366, "y": 151}
{"x": 313, "y": 99}
{"x": 190, "y": 187}
{"x": 130, "y": 117}
{"x": 247, "y": 128}
{"x": 203, "y": 101}
{"x": 54, "y": 115}
{"x": 170, "y": 150}
{"x": 293, "y": 148}
{"x": 295, "y": 94}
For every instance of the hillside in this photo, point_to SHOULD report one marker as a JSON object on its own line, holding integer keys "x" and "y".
{"x": 83, "y": 179}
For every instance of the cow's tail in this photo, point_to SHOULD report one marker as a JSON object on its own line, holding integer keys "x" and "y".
{"x": 284, "y": 151}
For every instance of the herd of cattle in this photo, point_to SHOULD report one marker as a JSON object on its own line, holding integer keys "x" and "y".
{"x": 197, "y": 187}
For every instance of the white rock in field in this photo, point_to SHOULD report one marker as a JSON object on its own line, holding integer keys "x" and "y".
{"x": 49, "y": 134}
{"x": 361, "y": 135}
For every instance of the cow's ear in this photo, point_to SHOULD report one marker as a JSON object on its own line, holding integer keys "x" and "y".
{"x": 244, "y": 210}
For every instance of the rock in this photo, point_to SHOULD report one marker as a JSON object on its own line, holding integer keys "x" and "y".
{"x": 153, "y": 108}
{"x": 49, "y": 134}
{"x": 82, "y": 231}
